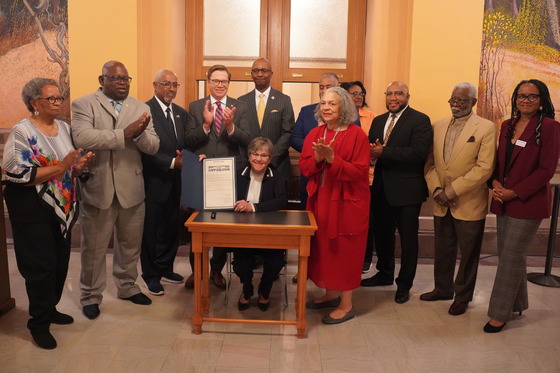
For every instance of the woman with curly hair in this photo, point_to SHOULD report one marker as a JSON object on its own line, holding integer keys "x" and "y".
{"x": 528, "y": 150}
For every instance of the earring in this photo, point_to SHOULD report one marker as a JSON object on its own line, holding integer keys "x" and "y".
{"x": 36, "y": 112}
{"x": 540, "y": 108}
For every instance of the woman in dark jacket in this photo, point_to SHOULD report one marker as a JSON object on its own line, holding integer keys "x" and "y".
{"x": 259, "y": 189}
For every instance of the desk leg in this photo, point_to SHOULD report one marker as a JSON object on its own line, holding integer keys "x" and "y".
{"x": 205, "y": 280}
{"x": 197, "y": 317}
{"x": 301, "y": 296}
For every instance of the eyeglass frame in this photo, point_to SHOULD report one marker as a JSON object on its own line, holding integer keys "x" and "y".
{"x": 358, "y": 94}
{"x": 167, "y": 84}
{"x": 262, "y": 156}
{"x": 52, "y": 99}
{"x": 218, "y": 82}
{"x": 262, "y": 71}
{"x": 522, "y": 97}
{"x": 460, "y": 101}
{"x": 119, "y": 79}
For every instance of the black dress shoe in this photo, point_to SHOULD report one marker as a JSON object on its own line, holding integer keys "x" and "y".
{"x": 376, "y": 280}
{"x": 155, "y": 287}
{"x": 434, "y": 295}
{"x": 329, "y": 320}
{"x": 402, "y": 296}
{"x": 44, "y": 339}
{"x": 243, "y": 306}
{"x": 493, "y": 329}
{"x": 139, "y": 299}
{"x": 317, "y": 306}
{"x": 263, "y": 306}
{"x": 91, "y": 311}
{"x": 60, "y": 318}
{"x": 458, "y": 308}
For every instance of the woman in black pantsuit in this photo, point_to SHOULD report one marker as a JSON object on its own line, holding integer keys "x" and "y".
{"x": 258, "y": 189}
{"x": 40, "y": 165}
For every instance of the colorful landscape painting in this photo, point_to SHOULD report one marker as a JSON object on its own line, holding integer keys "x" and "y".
{"x": 520, "y": 40}
{"x": 33, "y": 43}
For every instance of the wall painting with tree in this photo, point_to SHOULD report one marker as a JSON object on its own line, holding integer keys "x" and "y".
{"x": 33, "y": 43}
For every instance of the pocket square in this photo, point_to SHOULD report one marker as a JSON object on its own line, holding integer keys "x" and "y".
{"x": 274, "y": 111}
{"x": 471, "y": 139}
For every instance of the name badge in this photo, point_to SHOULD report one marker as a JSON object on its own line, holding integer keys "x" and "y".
{"x": 521, "y": 143}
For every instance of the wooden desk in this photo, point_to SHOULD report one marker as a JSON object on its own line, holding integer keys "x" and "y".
{"x": 269, "y": 230}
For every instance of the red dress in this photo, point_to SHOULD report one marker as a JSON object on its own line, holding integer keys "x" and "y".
{"x": 339, "y": 197}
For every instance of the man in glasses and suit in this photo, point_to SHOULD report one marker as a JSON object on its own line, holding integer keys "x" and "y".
{"x": 218, "y": 128}
{"x": 117, "y": 128}
{"x": 162, "y": 179}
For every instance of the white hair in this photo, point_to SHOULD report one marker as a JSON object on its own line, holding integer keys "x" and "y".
{"x": 469, "y": 86}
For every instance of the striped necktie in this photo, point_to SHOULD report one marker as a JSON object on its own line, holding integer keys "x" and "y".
{"x": 170, "y": 122}
{"x": 218, "y": 117}
{"x": 389, "y": 129}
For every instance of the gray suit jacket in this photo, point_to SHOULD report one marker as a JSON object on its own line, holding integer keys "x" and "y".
{"x": 278, "y": 122}
{"x": 117, "y": 166}
{"x": 211, "y": 144}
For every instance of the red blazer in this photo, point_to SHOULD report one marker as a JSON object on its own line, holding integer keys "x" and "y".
{"x": 531, "y": 168}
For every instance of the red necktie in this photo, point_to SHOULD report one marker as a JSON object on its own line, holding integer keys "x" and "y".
{"x": 218, "y": 117}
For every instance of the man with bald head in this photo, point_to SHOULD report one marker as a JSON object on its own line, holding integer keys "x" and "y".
{"x": 117, "y": 129}
{"x": 162, "y": 182}
{"x": 400, "y": 141}
{"x": 270, "y": 114}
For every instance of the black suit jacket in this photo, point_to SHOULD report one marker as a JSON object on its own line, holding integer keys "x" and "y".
{"x": 273, "y": 192}
{"x": 277, "y": 125}
{"x": 158, "y": 178}
{"x": 211, "y": 144}
{"x": 401, "y": 166}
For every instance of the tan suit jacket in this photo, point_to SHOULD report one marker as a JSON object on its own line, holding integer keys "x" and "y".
{"x": 117, "y": 166}
{"x": 470, "y": 166}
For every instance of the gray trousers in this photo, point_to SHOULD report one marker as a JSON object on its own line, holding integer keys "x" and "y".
{"x": 97, "y": 226}
{"x": 509, "y": 293}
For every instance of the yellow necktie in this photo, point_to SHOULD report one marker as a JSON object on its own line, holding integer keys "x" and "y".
{"x": 260, "y": 109}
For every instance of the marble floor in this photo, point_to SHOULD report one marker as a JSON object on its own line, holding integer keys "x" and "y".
{"x": 384, "y": 337}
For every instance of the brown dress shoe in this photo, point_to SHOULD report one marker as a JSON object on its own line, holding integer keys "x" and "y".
{"x": 433, "y": 296}
{"x": 189, "y": 283}
{"x": 218, "y": 279}
{"x": 458, "y": 308}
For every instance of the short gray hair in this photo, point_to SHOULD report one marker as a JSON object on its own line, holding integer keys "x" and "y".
{"x": 32, "y": 90}
{"x": 469, "y": 86}
{"x": 348, "y": 113}
{"x": 260, "y": 143}
{"x": 332, "y": 75}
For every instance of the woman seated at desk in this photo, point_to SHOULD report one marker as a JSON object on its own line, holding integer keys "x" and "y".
{"x": 259, "y": 189}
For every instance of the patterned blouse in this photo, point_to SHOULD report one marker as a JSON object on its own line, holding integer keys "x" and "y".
{"x": 26, "y": 149}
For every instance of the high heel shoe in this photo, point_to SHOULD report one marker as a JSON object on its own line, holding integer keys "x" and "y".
{"x": 243, "y": 306}
{"x": 263, "y": 306}
{"x": 493, "y": 329}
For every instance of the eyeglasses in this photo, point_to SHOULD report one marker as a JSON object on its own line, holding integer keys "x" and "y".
{"x": 169, "y": 84}
{"x": 396, "y": 93}
{"x": 530, "y": 98}
{"x": 218, "y": 82}
{"x": 263, "y": 156}
{"x": 358, "y": 94}
{"x": 52, "y": 99}
{"x": 262, "y": 71}
{"x": 119, "y": 79}
{"x": 457, "y": 100}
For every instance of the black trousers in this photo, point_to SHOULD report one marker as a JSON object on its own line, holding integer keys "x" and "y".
{"x": 160, "y": 239}
{"x": 218, "y": 260}
{"x": 244, "y": 263}
{"x": 42, "y": 255}
{"x": 387, "y": 219}
{"x": 370, "y": 245}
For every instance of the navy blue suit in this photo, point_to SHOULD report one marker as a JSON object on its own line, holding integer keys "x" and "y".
{"x": 304, "y": 124}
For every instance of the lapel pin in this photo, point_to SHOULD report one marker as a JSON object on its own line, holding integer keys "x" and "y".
{"x": 177, "y": 116}
{"x": 272, "y": 97}
{"x": 126, "y": 105}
